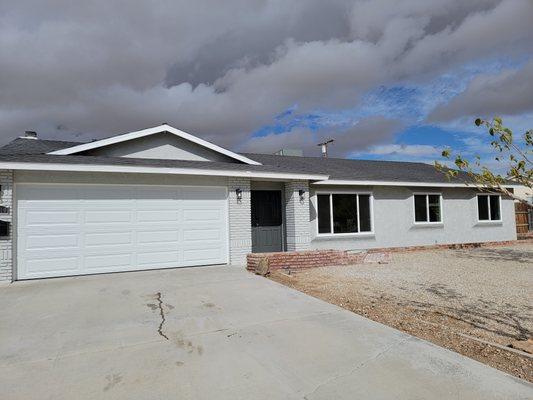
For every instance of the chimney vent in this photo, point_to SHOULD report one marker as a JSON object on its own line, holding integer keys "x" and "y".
{"x": 324, "y": 147}
{"x": 30, "y": 135}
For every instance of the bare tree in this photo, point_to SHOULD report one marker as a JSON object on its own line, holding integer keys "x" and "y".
{"x": 514, "y": 157}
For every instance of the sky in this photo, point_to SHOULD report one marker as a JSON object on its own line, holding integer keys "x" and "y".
{"x": 387, "y": 80}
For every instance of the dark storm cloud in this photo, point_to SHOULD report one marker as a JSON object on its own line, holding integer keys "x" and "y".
{"x": 224, "y": 69}
{"x": 372, "y": 130}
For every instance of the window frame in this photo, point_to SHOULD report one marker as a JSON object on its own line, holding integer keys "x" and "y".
{"x": 333, "y": 234}
{"x": 428, "y": 222}
{"x": 489, "y": 221}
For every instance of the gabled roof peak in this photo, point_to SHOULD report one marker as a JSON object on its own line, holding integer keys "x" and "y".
{"x": 151, "y": 131}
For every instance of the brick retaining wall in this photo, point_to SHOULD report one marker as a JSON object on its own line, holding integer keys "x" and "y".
{"x": 455, "y": 246}
{"x": 305, "y": 259}
{"x": 328, "y": 258}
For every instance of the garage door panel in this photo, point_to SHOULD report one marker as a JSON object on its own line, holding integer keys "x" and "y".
{"x": 77, "y": 229}
{"x": 203, "y": 194}
{"x": 157, "y": 194}
{"x": 201, "y": 235}
{"x": 107, "y": 216}
{"x": 52, "y": 266}
{"x": 50, "y": 195}
{"x": 108, "y": 238}
{"x": 102, "y": 194}
{"x": 51, "y": 241}
{"x": 201, "y": 215}
{"x": 191, "y": 256}
{"x": 120, "y": 261}
{"x": 50, "y": 217}
{"x": 159, "y": 236}
{"x": 157, "y": 216}
{"x": 157, "y": 257}
{"x": 170, "y": 247}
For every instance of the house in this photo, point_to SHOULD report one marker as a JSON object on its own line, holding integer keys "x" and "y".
{"x": 162, "y": 198}
{"x": 524, "y": 193}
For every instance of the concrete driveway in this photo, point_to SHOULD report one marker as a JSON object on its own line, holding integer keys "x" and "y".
{"x": 215, "y": 333}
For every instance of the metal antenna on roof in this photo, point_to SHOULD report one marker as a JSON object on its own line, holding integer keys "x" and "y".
{"x": 324, "y": 146}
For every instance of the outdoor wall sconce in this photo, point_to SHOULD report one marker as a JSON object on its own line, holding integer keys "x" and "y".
{"x": 238, "y": 194}
{"x": 301, "y": 192}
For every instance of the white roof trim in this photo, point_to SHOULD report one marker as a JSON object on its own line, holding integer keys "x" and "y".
{"x": 155, "y": 170}
{"x": 395, "y": 183}
{"x": 151, "y": 131}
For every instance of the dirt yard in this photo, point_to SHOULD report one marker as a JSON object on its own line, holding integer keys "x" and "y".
{"x": 449, "y": 297}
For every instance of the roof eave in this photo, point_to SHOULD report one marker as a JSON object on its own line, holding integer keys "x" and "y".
{"x": 340, "y": 182}
{"x": 36, "y": 166}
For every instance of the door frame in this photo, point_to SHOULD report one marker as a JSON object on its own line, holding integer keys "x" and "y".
{"x": 283, "y": 226}
{"x": 14, "y": 218}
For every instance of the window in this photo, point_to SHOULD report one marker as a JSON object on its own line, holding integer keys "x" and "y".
{"x": 428, "y": 208}
{"x": 344, "y": 213}
{"x": 488, "y": 207}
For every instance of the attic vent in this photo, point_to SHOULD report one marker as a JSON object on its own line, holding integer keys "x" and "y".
{"x": 289, "y": 152}
{"x": 30, "y": 135}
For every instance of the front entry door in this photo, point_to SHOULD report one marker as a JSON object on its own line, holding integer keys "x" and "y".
{"x": 267, "y": 225}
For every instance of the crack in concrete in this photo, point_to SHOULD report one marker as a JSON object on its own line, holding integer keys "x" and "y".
{"x": 162, "y": 314}
{"x": 354, "y": 369}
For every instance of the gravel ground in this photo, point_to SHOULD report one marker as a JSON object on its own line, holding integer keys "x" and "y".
{"x": 441, "y": 296}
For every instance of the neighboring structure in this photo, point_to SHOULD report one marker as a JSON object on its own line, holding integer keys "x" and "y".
{"x": 524, "y": 193}
{"x": 162, "y": 198}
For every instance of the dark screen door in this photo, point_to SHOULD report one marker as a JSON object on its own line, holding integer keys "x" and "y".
{"x": 267, "y": 225}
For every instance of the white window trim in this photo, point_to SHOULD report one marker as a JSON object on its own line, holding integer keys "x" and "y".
{"x": 349, "y": 234}
{"x": 427, "y": 194}
{"x": 489, "y": 221}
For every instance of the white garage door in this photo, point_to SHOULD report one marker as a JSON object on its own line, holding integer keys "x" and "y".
{"x": 87, "y": 229}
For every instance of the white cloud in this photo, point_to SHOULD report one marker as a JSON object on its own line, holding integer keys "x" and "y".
{"x": 508, "y": 93}
{"x": 416, "y": 150}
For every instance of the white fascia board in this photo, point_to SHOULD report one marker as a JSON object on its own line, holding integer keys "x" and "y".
{"x": 154, "y": 170}
{"x": 334, "y": 182}
{"x": 151, "y": 131}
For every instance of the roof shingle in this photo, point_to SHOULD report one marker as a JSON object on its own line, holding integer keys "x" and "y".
{"x": 34, "y": 151}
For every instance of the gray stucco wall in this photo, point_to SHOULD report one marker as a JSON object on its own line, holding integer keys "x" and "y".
{"x": 164, "y": 146}
{"x": 393, "y": 210}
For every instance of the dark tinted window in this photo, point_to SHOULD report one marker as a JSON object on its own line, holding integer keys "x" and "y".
{"x": 434, "y": 208}
{"x": 483, "y": 207}
{"x": 495, "y": 208}
{"x": 344, "y": 213}
{"x": 324, "y": 220}
{"x": 365, "y": 224}
{"x": 420, "y": 208}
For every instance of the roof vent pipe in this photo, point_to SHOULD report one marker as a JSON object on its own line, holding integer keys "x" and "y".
{"x": 324, "y": 147}
{"x": 30, "y": 135}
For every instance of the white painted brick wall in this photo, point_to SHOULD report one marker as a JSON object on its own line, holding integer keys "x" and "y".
{"x": 240, "y": 222}
{"x": 297, "y": 215}
{"x": 6, "y": 243}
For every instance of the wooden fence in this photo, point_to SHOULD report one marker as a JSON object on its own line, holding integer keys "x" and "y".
{"x": 524, "y": 216}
